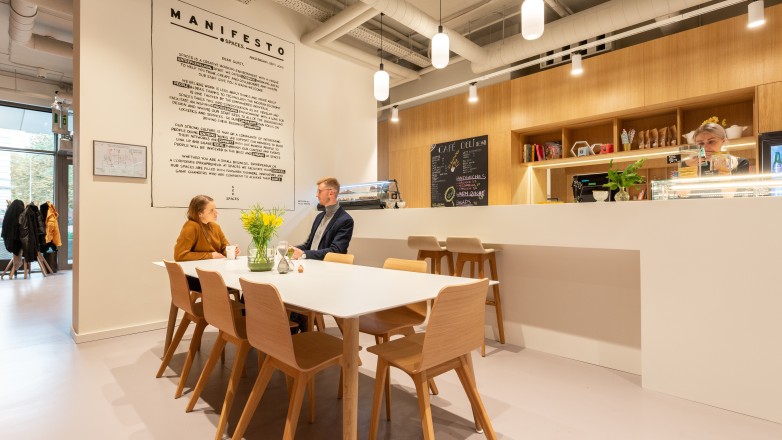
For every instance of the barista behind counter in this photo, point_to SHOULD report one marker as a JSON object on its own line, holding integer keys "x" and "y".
{"x": 712, "y": 138}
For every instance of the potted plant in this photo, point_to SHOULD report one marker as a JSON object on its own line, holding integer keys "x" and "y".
{"x": 262, "y": 225}
{"x": 620, "y": 180}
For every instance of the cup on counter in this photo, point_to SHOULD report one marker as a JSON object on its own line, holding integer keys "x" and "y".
{"x": 230, "y": 252}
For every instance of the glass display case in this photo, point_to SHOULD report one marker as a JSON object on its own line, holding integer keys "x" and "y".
{"x": 718, "y": 186}
{"x": 370, "y": 195}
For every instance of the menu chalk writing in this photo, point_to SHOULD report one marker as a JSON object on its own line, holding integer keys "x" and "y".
{"x": 460, "y": 172}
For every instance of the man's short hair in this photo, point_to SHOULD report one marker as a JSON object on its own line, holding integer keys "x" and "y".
{"x": 330, "y": 182}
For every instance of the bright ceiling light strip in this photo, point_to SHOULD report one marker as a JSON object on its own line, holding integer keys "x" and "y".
{"x": 581, "y": 161}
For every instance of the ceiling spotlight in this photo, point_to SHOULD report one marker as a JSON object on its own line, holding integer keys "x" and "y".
{"x": 576, "y": 68}
{"x": 395, "y": 114}
{"x": 441, "y": 51}
{"x": 473, "y": 97}
{"x": 756, "y": 14}
{"x": 532, "y": 19}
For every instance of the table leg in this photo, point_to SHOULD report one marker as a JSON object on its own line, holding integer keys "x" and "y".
{"x": 350, "y": 382}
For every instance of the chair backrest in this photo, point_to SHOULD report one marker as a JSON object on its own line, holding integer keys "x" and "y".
{"x": 268, "y": 327}
{"x": 334, "y": 257}
{"x": 180, "y": 291}
{"x": 456, "y": 323}
{"x": 218, "y": 308}
{"x": 423, "y": 243}
{"x": 409, "y": 266}
{"x": 467, "y": 245}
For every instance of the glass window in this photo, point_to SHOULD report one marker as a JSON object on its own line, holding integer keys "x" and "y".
{"x": 26, "y": 129}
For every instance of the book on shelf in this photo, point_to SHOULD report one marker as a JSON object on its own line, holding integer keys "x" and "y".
{"x": 528, "y": 157}
{"x": 552, "y": 150}
{"x": 539, "y": 154}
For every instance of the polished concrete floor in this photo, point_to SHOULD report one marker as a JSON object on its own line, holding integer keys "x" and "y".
{"x": 51, "y": 388}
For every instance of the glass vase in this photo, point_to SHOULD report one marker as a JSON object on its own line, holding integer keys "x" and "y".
{"x": 622, "y": 195}
{"x": 260, "y": 257}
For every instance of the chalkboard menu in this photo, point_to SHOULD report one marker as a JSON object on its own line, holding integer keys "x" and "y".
{"x": 460, "y": 172}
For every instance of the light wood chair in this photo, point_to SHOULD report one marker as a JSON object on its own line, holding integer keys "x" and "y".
{"x": 189, "y": 302}
{"x": 470, "y": 250}
{"x": 299, "y": 356}
{"x": 220, "y": 313}
{"x": 454, "y": 330}
{"x": 315, "y": 318}
{"x": 428, "y": 247}
{"x": 397, "y": 321}
{"x": 334, "y": 257}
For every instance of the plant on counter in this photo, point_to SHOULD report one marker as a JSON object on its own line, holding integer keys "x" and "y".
{"x": 716, "y": 120}
{"x": 621, "y": 180}
{"x": 262, "y": 226}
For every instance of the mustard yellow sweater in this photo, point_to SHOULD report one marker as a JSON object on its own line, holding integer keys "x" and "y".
{"x": 197, "y": 241}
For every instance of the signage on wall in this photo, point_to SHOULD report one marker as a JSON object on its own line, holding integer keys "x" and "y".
{"x": 460, "y": 171}
{"x": 222, "y": 109}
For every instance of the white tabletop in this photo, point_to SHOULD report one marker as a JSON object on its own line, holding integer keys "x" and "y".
{"x": 341, "y": 290}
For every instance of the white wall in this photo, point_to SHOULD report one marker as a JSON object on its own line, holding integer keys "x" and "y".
{"x": 118, "y": 234}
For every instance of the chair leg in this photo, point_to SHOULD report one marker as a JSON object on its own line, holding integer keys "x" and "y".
{"x": 311, "y": 396}
{"x": 423, "y": 405}
{"x": 172, "y": 346}
{"x": 467, "y": 378}
{"x": 497, "y": 302}
{"x": 217, "y": 348}
{"x": 233, "y": 384}
{"x": 433, "y": 387}
{"x": 195, "y": 343}
{"x": 255, "y": 397}
{"x": 294, "y": 407}
{"x": 380, "y": 379}
{"x": 172, "y": 314}
{"x": 321, "y": 322}
{"x": 449, "y": 258}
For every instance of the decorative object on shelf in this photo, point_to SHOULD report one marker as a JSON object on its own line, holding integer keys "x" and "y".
{"x": 606, "y": 148}
{"x": 735, "y": 131}
{"x": 552, "y": 150}
{"x": 715, "y": 120}
{"x": 690, "y": 137}
{"x": 600, "y": 195}
{"x": 581, "y": 148}
{"x": 621, "y": 180}
{"x": 655, "y": 138}
{"x": 627, "y": 139}
{"x": 596, "y": 148}
{"x": 262, "y": 226}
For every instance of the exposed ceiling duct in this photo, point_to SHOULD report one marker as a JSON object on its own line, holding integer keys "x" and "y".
{"x": 605, "y": 18}
{"x": 22, "y": 20}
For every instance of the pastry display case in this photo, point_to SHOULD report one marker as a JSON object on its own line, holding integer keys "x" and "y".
{"x": 370, "y": 195}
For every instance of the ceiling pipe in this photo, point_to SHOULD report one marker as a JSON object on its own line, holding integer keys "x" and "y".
{"x": 22, "y": 21}
{"x": 559, "y": 8}
{"x": 415, "y": 19}
{"x": 607, "y": 17}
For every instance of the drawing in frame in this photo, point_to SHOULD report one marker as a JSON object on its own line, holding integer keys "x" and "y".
{"x": 119, "y": 160}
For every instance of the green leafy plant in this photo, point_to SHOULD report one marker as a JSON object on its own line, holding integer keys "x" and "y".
{"x": 626, "y": 178}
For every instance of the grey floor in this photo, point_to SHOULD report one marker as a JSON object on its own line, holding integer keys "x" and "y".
{"x": 51, "y": 388}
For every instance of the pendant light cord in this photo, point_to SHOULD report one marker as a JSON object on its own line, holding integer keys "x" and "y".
{"x": 381, "y": 38}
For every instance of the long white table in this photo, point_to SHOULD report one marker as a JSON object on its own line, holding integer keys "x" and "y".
{"x": 341, "y": 290}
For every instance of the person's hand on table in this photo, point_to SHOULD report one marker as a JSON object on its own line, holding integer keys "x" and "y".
{"x": 216, "y": 255}
{"x": 297, "y": 253}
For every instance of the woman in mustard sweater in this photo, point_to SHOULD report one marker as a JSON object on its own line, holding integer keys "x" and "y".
{"x": 201, "y": 238}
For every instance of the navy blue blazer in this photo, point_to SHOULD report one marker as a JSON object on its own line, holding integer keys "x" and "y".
{"x": 336, "y": 237}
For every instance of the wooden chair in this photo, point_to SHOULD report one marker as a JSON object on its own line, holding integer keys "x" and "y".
{"x": 455, "y": 329}
{"x": 299, "y": 356}
{"x": 470, "y": 250}
{"x": 334, "y": 257}
{"x": 428, "y": 247}
{"x": 398, "y": 321}
{"x": 314, "y": 318}
{"x": 189, "y": 302}
{"x": 220, "y": 313}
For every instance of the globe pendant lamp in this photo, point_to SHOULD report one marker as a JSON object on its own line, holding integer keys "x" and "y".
{"x": 441, "y": 51}
{"x": 532, "y": 19}
{"x": 382, "y": 79}
{"x": 756, "y": 15}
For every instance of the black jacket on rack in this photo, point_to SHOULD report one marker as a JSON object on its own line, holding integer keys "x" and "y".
{"x": 31, "y": 232}
{"x": 11, "y": 227}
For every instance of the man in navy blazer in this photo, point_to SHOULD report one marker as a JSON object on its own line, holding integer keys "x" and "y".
{"x": 332, "y": 228}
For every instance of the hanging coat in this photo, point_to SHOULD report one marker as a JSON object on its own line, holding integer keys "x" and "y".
{"x": 11, "y": 227}
{"x": 52, "y": 227}
{"x": 31, "y": 232}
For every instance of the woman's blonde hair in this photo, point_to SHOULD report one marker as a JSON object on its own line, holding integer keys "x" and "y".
{"x": 716, "y": 129}
{"x": 197, "y": 204}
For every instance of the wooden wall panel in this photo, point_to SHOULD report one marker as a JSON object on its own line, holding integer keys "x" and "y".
{"x": 382, "y": 150}
{"x": 769, "y": 107}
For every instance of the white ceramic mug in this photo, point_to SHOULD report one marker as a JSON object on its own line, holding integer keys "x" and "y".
{"x": 230, "y": 252}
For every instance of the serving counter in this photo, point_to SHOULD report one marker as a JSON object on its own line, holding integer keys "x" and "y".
{"x": 686, "y": 294}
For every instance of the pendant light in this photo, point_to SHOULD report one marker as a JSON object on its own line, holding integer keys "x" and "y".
{"x": 395, "y": 113}
{"x": 756, "y": 15}
{"x": 441, "y": 51}
{"x": 576, "y": 67}
{"x": 532, "y": 19}
{"x": 473, "y": 96}
{"x": 381, "y": 76}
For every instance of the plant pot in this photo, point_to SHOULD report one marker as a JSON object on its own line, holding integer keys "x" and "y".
{"x": 260, "y": 258}
{"x": 622, "y": 195}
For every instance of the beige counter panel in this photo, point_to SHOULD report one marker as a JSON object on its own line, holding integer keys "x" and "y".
{"x": 706, "y": 272}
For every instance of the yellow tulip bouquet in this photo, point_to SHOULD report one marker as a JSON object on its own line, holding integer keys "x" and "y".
{"x": 716, "y": 120}
{"x": 262, "y": 226}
